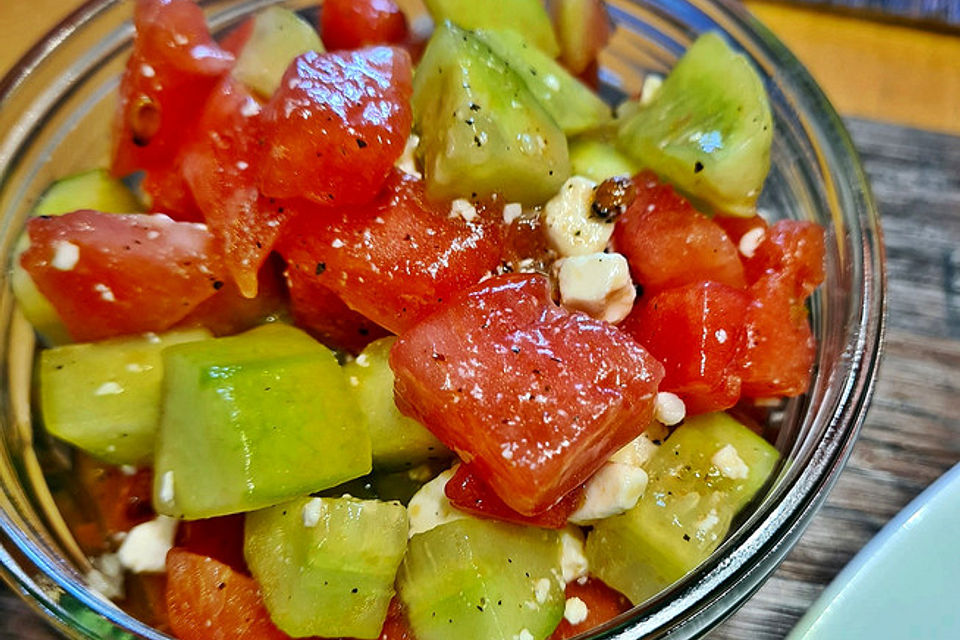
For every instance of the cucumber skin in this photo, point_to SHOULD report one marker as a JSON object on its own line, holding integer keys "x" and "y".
{"x": 656, "y": 543}
{"x": 481, "y": 131}
{"x": 708, "y": 130}
{"x": 253, "y": 420}
{"x": 334, "y": 578}
{"x": 117, "y": 425}
{"x": 475, "y": 579}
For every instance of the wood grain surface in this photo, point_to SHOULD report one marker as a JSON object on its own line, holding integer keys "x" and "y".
{"x": 912, "y": 431}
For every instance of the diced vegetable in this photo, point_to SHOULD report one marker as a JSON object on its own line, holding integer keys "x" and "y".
{"x": 708, "y": 129}
{"x": 252, "y": 420}
{"x": 481, "y": 580}
{"x": 105, "y": 397}
{"x": 399, "y": 442}
{"x": 582, "y": 28}
{"x": 530, "y": 15}
{"x": 599, "y": 160}
{"x": 572, "y": 105}
{"x": 327, "y": 565}
{"x": 279, "y": 35}
{"x": 700, "y": 478}
{"x": 481, "y": 130}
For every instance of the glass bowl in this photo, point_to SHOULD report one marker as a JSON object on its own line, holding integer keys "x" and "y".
{"x": 55, "y": 109}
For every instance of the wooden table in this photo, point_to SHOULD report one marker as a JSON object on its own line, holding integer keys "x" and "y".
{"x": 912, "y": 432}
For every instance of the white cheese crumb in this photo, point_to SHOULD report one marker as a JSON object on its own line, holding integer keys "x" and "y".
{"x": 166, "y": 488}
{"x": 106, "y": 576}
{"x": 707, "y": 524}
{"x": 106, "y": 293}
{"x": 651, "y": 87}
{"x": 250, "y": 108}
{"x": 65, "y": 255}
{"x": 363, "y": 360}
{"x": 730, "y": 464}
{"x": 575, "y": 610}
{"x": 542, "y": 590}
{"x": 128, "y": 470}
{"x": 147, "y": 71}
{"x": 668, "y": 408}
{"x": 751, "y": 240}
{"x": 512, "y": 211}
{"x": 429, "y": 507}
{"x": 569, "y": 226}
{"x": 613, "y": 489}
{"x": 110, "y": 388}
{"x": 312, "y": 512}
{"x": 463, "y": 209}
{"x": 573, "y": 557}
{"x": 337, "y": 243}
{"x": 524, "y": 635}
{"x": 638, "y": 451}
{"x": 407, "y": 160}
{"x": 145, "y": 548}
{"x": 598, "y": 284}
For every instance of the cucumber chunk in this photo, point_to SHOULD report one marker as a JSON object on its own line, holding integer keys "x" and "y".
{"x": 573, "y": 106}
{"x": 599, "y": 160}
{"x": 477, "y": 579}
{"x": 500, "y": 14}
{"x": 326, "y": 566}
{"x": 705, "y": 472}
{"x": 481, "y": 130}
{"x": 252, "y": 420}
{"x": 398, "y": 442}
{"x": 708, "y": 129}
{"x": 279, "y": 35}
{"x": 104, "y": 397}
{"x": 95, "y": 189}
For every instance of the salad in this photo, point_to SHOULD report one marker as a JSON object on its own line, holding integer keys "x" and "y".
{"x": 368, "y": 332}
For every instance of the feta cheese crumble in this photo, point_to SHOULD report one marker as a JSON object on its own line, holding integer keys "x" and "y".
{"x": 751, "y": 240}
{"x": 668, "y": 408}
{"x": 65, "y": 255}
{"x": 429, "y": 507}
{"x": 730, "y": 464}
{"x": 573, "y": 557}
{"x": 570, "y": 228}
{"x": 461, "y": 208}
{"x": 638, "y": 451}
{"x": 575, "y": 610}
{"x": 145, "y": 548}
{"x": 312, "y": 512}
{"x": 598, "y": 284}
{"x": 613, "y": 489}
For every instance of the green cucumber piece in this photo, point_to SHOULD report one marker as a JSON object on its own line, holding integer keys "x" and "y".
{"x": 95, "y": 189}
{"x": 708, "y": 130}
{"x": 573, "y": 106}
{"x": 279, "y": 35}
{"x": 253, "y": 420}
{"x": 599, "y": 160}
{"x": 477, "y": 579}
{"x": 326, "y": 566}
{"x": 699, "y": 479}
{"x": 399, "y": 442}
{"x": 481, "y": 131}
{"x": 104, "y": 397}
{"x": 530, "y": 15}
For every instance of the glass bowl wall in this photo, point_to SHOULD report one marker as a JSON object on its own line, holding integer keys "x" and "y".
{"x": 55, "y": 111}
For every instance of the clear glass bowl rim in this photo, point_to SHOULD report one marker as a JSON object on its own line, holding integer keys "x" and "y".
{"x": 718, "y": 587}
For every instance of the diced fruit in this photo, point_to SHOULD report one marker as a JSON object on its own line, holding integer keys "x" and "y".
{"x": 327, "y": 565}
{"x": 207, "y": 600}
{"x": 322, "y": 314}
{"x": 114, "y": 500}
{"x": 793, "y": 249}
{"x": 779, "y": 350}
{"x": 252, "y": 420}
{"x": 104, "y": 397}
{"x": 279, "y": 35}
{"x": 500, "y": 14}
{"x": 336, "y": 125}
{"x": 166, "y": 191}
{"x": 582, "y": 28}
{"x": 482, "y": 131}
{"x": 535, "y": 398}
{"x": 351, "y": 24}
{"x": 219, "y": 538}
{"x": 396, "y": 626}
{"x": 572, "y": 105}
{"x": 696, "y": 332}
{"x": 397, "y": 259}
{"x": 174, "y": 65}
{"x": 669, "y": 243}
{"x": 95, "y": 189}
{"x": 109, "y": 275}
{"x": 399, "y": 442}
{"x": 237, "y": 37}
{"x": 737, "y": 227}
{"x": 599, "y": 160}
{"x": 482, "y": 580}
{"x": 220, "y": 165}
{"x": 600, "y": 602}
{"x": 468, "y": 493}
{"x": 705, "y": 472}
{"x": 708, "y": 129}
